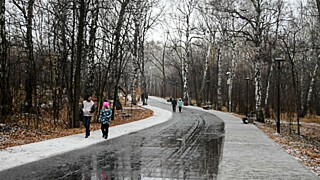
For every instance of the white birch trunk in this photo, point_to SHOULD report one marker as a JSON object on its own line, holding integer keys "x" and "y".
{"x": 185, "y": 67}
{"x": 219, "y": 80}
{"x": 135, "y": 82}
{"x": 185, "y": 72}
{"x": 257, "y": 80}
{"x": 92, "y": 40}
{"x": 231, "y": 76}
{"x": 135, "y": 78}
{"x": 206, "y": 66}
{"x": 268, "y": 86}
{"x": 301, "y": 87}
{"x": 311, "y": 86}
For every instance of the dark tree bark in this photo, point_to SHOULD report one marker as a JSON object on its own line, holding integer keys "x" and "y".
{"x": 77, "y": 75}
{"x": 116, "y": 53}
{"x": 30, "y": 83}
{"x": 5, "y": 94}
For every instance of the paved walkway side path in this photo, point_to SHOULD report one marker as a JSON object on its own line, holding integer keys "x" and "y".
{"x": 18, "y": 155}
{"x": 249, "y": 154}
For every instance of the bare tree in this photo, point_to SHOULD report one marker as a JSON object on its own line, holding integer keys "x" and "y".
{"x": 116, "y": 54}
{"x": 30, "y": 84}
{"x": 94, "y": 15}
{"x": 79, "y": 60}
{"x": 184, "y": 19}
{"x": 256, "y": 17}
{"x": 5, "y": 94}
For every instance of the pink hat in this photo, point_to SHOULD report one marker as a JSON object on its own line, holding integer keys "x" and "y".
{"x": 105, "y": 104}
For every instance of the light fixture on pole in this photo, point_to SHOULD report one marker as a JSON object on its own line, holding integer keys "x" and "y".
{"x": 208, "y": 91}
{"x": 247, "y": 99}
{"x": 279, "y": 60}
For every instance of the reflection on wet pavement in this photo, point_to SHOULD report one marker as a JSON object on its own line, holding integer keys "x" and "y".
{"x": 187, "y": 147}
{"x": 200, "y": 160}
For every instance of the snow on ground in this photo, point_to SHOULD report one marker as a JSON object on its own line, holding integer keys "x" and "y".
{"x": 11, "y": 157}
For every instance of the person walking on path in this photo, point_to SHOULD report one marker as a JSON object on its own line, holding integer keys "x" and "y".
{"x": 87, "y": 109}
{"x": 180, "y": 103}
{"x": 174, "y": 104}
{"x": 104, "y": 119}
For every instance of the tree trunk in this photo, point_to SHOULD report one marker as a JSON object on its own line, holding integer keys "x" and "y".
{"x": 205, "y": 71}
{"x": 30, "y": 79}
{"x": 115, "y": 54}
{"x": 143, "y": 76}
{"x": 164, "y": 77}
{"x": 185, "y": 70}
{"x": 257, "y": 81}
{"x": 5, "y": 94}
{"x": 77, "y": 75}
{"x": 70, "y": 84}
{"x": 231, "y": 77}
{"x": 219, "y": 91}
{"x": 305, "y": 107}
{"x": 135, "y": 59}
{"x": 92, "y": 41}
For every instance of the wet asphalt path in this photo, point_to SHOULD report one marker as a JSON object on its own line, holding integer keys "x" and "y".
{"x": 189, "y": 146}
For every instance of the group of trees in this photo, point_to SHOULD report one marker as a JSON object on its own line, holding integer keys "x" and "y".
{"x": 217, "y": 52}
{"x": 211, "y": 51}
{"x": 55, "y": 52}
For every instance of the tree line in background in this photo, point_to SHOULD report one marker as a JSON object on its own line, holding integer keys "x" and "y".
{"x": 224, "y": 53}
{"x": 213, "y": 52}
{"x": 55, "y": 52}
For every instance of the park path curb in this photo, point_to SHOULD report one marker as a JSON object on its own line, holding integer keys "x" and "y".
{"x": 250, "y": 154}
{"x": 19, "y": 155}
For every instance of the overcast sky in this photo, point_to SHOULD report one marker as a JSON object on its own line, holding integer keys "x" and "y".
{"x": 158, "y": 33}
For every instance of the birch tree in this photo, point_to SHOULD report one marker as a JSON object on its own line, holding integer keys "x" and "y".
{"x": 219, "y": 90}
{"x": 94, "y": 15}
{"x": 290, "y": 47}
{"x": 273, "y": 47}
{"x": 158, "y": 59}
{"x": 186, "y": 11}
{"x": 313, "y": 56}
{"x": 255, "y": 16}
{"x": 210, "y": 22}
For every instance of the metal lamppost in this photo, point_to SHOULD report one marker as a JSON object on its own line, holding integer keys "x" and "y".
{"x": 279, "y": 60}
{"x": 176, "y": 87}
{"x": 247, "y": 99}
{"x": 208, "y": 90}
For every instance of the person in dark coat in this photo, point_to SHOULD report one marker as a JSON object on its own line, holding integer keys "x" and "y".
{"x": 174, "y": 104}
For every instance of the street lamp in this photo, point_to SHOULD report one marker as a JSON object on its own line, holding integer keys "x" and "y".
{"x": 247, "y": 99}
{"x": 279, "y": 60}
{"x": 208, "y": 90}
{"x": 176, "y": 87}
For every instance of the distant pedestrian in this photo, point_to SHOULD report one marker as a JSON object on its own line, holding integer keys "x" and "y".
{"x": 174, "y": 104}
{"x": 87, "y": 109}
{"x": 180, "y": 103}
{"x": 104, "y": 119}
